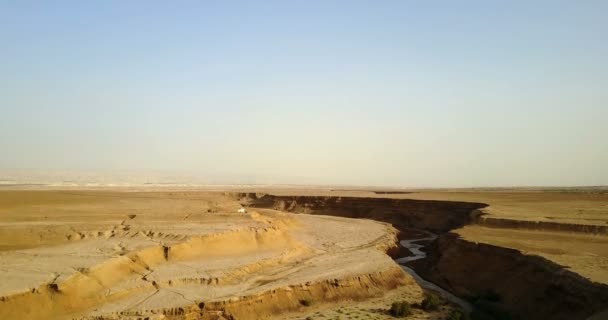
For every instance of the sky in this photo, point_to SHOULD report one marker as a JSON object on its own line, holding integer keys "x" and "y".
{"x": 386, "y": 93}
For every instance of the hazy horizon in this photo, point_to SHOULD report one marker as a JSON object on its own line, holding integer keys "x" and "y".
{"x": 389, "y": 93}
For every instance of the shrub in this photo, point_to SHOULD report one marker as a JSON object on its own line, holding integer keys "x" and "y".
{"x": 487, "y": 306}
{"x": 400, "y": 309}
{"x": 53, "y": 287}
{"x": 456, "y": 314}
{"x": 305, "y": 302}
{"x": 430, "y": 303}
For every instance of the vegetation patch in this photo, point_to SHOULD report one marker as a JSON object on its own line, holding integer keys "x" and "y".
{"x": 487, "y": 307}
{"x": 306, "y": 302}
{"x": 456, "y": 314}
{"x": 430, "y": 303}
{"x": 400, "y": 309}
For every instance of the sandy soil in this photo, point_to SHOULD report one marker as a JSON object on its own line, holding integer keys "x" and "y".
{"x": 564, "y": 205}
{"x": 79, "y": 254}
{"x": 370, "y": 309}
{"x": 577, "y": 207}
{"x": 583, "y": 253}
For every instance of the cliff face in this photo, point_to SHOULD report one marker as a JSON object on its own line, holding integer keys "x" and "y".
{"x": 290, "y": 298}
{"x": 530, "y": 287}
{"x": 245, "y": 267}
{"x": 279, "y": 300}
{"x": 540, "y": 225}
{"x": 437, "y": 216}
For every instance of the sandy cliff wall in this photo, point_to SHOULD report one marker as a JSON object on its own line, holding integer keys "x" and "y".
{"x": 438, "y": 216}
{"x": 540, "y": 225}
{"x": 290, "y": 298}
{"x": 278, "y": 300}
{"x": 529, "y": 286}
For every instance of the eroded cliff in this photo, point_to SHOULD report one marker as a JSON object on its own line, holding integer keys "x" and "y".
{"x": 520, "y": 285}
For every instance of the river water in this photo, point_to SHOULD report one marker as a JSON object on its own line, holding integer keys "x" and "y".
{"x": 414, "y": 248}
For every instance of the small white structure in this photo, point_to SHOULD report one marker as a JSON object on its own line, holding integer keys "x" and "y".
{"x": 242, "y": 210}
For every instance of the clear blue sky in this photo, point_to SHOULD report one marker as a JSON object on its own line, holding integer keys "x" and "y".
{"x": 404, "y": 93}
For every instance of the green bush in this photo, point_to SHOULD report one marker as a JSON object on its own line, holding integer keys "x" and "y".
{"x": 430, "y": 303}
{"x": 456, "y": 314}
{"x": 400, "y": 309}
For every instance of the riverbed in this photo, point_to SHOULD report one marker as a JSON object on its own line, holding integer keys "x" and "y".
{"x": 417, "y": 254}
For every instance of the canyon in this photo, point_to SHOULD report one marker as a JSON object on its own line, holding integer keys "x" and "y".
{"x": 524, "y": 285}
{"x": 296, "y": 253}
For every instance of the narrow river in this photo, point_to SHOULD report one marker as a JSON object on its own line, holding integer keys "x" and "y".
{"x": 419, "y": 254}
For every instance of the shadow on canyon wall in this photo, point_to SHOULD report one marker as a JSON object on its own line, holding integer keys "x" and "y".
{"x": 503, "y": 283}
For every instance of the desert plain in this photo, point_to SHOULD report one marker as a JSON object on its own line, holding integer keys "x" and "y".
{"x": 299, "y": 253}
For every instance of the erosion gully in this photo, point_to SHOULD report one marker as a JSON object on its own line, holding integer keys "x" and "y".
{"x": 502, "y": 283}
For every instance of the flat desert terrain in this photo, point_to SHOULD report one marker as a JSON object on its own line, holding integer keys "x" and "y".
{"x": 569, "y": 205}
{"x": 132, "y": 255}
{"x": 315, "y": 253}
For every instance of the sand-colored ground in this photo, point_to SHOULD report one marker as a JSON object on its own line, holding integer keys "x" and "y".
{"x": 585, "y": 254}
{"x": 370, "y": 309}
{"x": 81, "y": 254}
{"x": 561, "y": 205}
{"x": 588, "y": 207}
{"x": 136, "y": 253}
